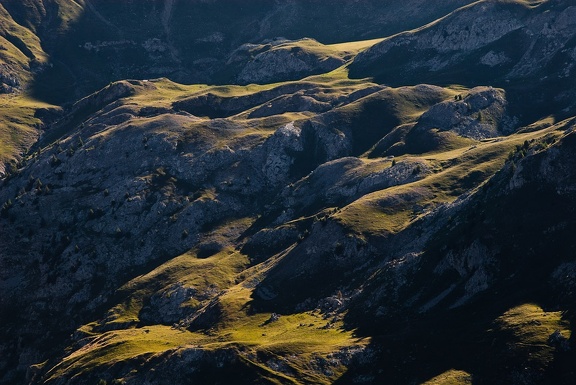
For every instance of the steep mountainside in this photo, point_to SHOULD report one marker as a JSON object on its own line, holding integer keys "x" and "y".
{"x": 58, "y": 51}
{"x": 397, "y": 210}
{"x": 504, "y": 43}
{"x": 191, "y": 41}
{"x": 25, "y": 28}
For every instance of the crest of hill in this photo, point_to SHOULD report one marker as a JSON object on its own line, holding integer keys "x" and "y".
{"x": 509, "y": 44}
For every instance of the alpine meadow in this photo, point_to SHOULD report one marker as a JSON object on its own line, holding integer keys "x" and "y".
{"x": 287, "y": 192}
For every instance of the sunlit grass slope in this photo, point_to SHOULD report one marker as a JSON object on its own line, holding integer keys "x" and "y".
{"x": 296, "y": 339}
{"x": 455, "y": 172}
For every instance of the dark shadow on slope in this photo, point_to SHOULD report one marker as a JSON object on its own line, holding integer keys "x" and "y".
{"x": 529, "y": 231}
{"x": 190, "y": 42}
{"x": 534, "y": 91}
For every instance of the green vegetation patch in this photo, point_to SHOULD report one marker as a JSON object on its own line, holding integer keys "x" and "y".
{"x": 121, "y": 345}
{"x": 211, "y": 274}
{"x": 18, "y": 124}
{"x": 451, "y": 377}
{"x": 532, "y": 334}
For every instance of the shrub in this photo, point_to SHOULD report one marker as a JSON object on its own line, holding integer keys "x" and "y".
{"x": 55, "y": 161}
{"x": 5, "y": 207}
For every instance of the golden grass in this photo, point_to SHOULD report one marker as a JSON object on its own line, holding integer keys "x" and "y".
{"x": 14, "y": 31}
{"x": 456, "y": 171}
{"x": 12, "y": 55}
{"x": 365, "y": 216}
{"x": 296, "y": 333}
{"x": 343, "y": 50}
{"x": 18, "y": 124}
{"x": 163, "y": 92}
{"x": 338, "y": 77}
{"x": 295, "y": 338}
{"x": 354, "y": 46}
{"x": 530, "y": 327}
{"x": 69, "y": 12}
{"x": 451, "y": 377}
{"x": 217, "y": 272}
{"x": 120, "y": 345}
{"x": 19, "y": 47}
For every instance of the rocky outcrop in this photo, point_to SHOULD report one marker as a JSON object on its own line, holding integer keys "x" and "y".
{"x": 480, "y": 114}
{"x": 137, "y": 233}
{"x": 500, "y": 43}
{"x": 339, "y": 182}
{"x": 289, "y": 62}
{"x": 280, "y": 150}
{"x": 9, "y": 83}
{"x": 292, "y": 103}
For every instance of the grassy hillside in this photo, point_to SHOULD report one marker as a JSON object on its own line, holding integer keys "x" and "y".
{"x": 306, "y": 207}
{"x": 23, "y": 28}
{"x": 58, "y": 51}
{"x": 244, "y": 283}
{"x": 191, "y": 42}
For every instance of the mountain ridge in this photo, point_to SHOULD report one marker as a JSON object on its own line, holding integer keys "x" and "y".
{"x": 347, "y": 225}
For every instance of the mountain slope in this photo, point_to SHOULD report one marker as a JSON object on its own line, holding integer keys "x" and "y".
{"x": 59, "y": 51}
{"x": 504, "y": 43}
{"x": 194, "y": 41}
{"x": 25, "y": 28}
{"x": 350, "y": 226}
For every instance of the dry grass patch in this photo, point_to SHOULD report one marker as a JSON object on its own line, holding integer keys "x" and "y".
{"x": 451, "y": 377}
{"x": 122, "y": 345}
{"x": 529, "y": 330}
{"x": 18, "y": 124}
{"x": 207, "y": 275}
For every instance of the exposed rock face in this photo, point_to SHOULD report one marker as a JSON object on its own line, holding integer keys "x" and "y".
{"x": 495, "y": 42}
{"x": 213, "y": 234}
{"x": 289, "y": 63}
{"x": 480, "y": 114}
{"x": 167, "y": 307}
{"x": 453, "y": 39}
{"x": 292, "y": 103}
{"x": 282, "y": 146}
{"x": 484, "y": 25}
{"x": 215, "y": 106}
{"x": 339, "y": 182}
{"x": 9, "y": 83}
